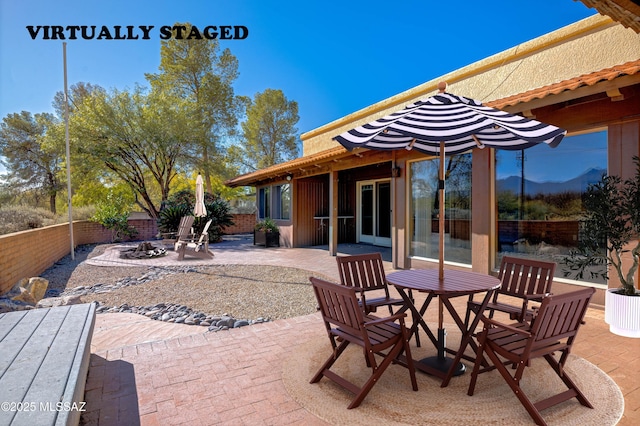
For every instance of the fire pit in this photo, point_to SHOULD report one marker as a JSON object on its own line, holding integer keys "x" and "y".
{"x": 143, "y": 251}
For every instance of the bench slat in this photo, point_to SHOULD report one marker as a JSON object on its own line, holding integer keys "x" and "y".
{"x": 45, "y": 356}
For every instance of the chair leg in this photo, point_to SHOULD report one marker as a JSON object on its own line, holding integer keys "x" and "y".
{"x": 410, "y": 366}
{"x": 572, "y": 392}
{"x": 377, "y": 372}
{"x": 329, "y": 362}
{"x": 514, "y": 384}
{"x": 476, "y": 365}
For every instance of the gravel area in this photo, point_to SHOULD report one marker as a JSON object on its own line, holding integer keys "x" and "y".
{"x": 241, "y": 291}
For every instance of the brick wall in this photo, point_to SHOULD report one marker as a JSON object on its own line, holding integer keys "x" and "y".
{"x": 244, "y": 224}
{"x": 29, "y": 253}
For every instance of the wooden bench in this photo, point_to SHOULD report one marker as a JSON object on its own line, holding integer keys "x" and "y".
{"x": 44, "y": 360}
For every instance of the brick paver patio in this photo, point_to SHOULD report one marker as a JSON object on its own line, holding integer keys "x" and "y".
{"x": 148, "y": 372}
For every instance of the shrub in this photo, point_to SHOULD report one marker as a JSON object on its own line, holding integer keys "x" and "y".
{"x": 170, "y": 216}
{"x": 21, "y": 218}
{"x": 182, "y": 204}
{"x": 113, "y": 215}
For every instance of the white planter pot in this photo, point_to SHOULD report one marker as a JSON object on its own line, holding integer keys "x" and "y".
{"x": 622, "y": 313}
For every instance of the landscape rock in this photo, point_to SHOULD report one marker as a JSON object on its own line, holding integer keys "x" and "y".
{"x": 37, "y": 287}
{"x": 51, "y": 302}
{"x": 25, "y": 297}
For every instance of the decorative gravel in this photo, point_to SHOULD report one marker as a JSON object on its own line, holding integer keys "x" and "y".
{"x": 239, "y": 291}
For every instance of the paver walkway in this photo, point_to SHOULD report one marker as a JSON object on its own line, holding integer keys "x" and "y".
{"x": 148, "y": 372}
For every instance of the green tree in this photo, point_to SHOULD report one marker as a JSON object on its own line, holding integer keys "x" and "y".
{"x": 199, "y": 72}
{"x": 31, "y": 162}
{"x": 269, "y": 132}
{"x": 138, "y": 136}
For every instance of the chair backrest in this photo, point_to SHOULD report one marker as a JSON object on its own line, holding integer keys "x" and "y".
{"x": 525, "y": 276}
{"x": 339, "y": 306}
{"x": 205, "y": 231}
{"x": 365, "y": 271}
{"x": 560, "y": 316}
{"x": 184, "y": 228}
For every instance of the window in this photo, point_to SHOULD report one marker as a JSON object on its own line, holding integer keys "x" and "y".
{"x": 264, "y": 202}
{"x": 538, "y": 193}
{"x": 275, "y": 202}
{"x": 424, "y": 209}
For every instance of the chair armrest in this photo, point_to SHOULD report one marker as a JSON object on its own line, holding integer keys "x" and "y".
{"x": 536, "y": 297}
{"x": 526, "y": 298}
{"x": 391, "y": 318}
{"x": 496, "y": 324}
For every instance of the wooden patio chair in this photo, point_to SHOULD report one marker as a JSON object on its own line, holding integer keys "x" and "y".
{"x": 184, "y": 229}
{"x": 346, "y": 323}
{"x": 523, "y": 281}
{"x": 365, "y": 272}
{"x": 554, "y": 329}
{"x": 193, "y": 247}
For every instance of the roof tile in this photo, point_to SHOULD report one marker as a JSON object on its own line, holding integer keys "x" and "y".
{"x": 629, "y": 68}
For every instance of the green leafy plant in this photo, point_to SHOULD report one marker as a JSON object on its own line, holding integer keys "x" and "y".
{"x": 113, "y": 214}
{"x": 182, "y": 204}
{"x": 267, "y": 225}
{"x": 169, "y": 218}
{"x": 610, "y": 225}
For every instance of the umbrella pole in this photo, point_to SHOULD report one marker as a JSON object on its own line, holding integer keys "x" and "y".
{"x": 442, "y": 333}
{"x": 441, "y": 362}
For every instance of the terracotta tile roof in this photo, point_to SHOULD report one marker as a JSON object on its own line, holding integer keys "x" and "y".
{"x": 285, "y": 168}
{"x": 629, "y": 68}
{"x": 627, "y": 12}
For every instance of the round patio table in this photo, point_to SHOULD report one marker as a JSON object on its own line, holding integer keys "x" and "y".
{"x": 454, "y": 284}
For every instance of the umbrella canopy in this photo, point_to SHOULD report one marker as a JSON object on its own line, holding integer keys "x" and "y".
{"x": 461, "y": 123}
{"x": 200, "y": 209}
{"x": 445, "y": 124}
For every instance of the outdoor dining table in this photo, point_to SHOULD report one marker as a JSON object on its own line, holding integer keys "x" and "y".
{"x": 454, "y": 284}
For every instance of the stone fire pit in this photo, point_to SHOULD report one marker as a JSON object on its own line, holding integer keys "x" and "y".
{"x": 143, "y": 251}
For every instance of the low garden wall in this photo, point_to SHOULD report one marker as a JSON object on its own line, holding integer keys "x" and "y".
{"x": 29, "y": 253}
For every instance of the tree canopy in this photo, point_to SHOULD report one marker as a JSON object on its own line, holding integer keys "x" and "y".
{"x": 32, "y": 161}
{"x": 140, "y": 137}
{"x": 202, "y": 74}
{"x": 269, "y": 133}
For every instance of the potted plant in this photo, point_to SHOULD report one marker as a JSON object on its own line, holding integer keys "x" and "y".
{"x": 266, "y": 232}
{"x": 611, "y": 241}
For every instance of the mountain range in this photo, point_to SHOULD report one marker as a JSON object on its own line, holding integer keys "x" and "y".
{"x": 577, "y": 184}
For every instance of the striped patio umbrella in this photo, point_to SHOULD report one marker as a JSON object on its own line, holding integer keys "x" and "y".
{"x": 445, "y": 124}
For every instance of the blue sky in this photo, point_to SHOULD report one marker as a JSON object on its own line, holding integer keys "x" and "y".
{"x": 333, "y": 58}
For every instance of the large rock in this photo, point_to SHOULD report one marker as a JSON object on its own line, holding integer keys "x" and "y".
{"x": 24, "y": 296}
{"x": 37, "y": 287}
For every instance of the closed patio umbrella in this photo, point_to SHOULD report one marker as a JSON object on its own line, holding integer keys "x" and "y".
{"x": 446, "y": 124}
{"x": 200, "y": 209}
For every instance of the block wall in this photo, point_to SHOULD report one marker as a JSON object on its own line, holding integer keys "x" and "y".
{"x": 27, "y": 254}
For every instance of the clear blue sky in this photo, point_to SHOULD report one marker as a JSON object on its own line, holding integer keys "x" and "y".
{"x": 333, "y": 58}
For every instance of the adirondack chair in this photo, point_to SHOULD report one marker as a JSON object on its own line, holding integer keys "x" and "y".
{"x": 346, "y": 323}
{"x": 184, "y": 229}
{"x": 192, "y": 247}
{"x": 553, "y": 330}
{"x": 523, "y": 280}
{"x": 365, "y": 272}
